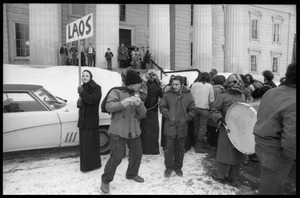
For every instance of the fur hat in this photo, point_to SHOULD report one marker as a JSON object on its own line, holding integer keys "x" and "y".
{"x": 132, "y": 77}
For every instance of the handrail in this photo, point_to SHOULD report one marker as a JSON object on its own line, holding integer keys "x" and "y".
{"x": 160, "y": 68}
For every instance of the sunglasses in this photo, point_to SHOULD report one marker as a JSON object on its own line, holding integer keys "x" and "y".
{"x": 151, "y": 74}
{"x": 234, "y": 81}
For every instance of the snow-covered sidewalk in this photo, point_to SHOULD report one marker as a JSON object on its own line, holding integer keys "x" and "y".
{"x": 62, "y": 176}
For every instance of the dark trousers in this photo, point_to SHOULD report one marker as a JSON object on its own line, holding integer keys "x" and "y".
{"x": 109, "y": 64}
{"x": 118, "y": 149}
{"x": 90, "y": 59}
{"x": 274, "y": 170}
{"x": 74, "y": 57}
{"x": 230, "y": 170}
{"x": 123, "y": 63}
{"x": 174, "y": 153}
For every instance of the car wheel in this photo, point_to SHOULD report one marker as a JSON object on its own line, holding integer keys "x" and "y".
{"x": 104, "y": 141}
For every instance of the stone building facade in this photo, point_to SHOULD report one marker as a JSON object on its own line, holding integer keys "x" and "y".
{"x": 231, "y": 38}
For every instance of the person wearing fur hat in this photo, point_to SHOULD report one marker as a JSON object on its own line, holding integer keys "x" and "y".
{"x": 88, "y": 122}
{"x": 126, "y": 110}
{"x": 228, "y": 158}
{"x": 178, "y": 107}
{"x": 150, "y": 125}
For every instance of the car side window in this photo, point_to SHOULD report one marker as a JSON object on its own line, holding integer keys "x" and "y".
{"x": 20, "y": 102}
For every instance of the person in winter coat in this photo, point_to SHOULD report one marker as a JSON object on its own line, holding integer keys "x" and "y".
{"x": 228, "y": 158}
{"x": 178, "y": 107}
{"x": 126, "y": 110}
{"x": 275, "y": 135}
{"x": 150, "y": 124}
{"x": 88, "y": 122}
{"x": 108, "y": 56}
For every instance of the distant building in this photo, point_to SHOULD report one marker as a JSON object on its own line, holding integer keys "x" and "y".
{"x": 231, "y": 38}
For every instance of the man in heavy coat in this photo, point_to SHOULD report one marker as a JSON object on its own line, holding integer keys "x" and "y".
{"x": 228, "y": 158}
{"x": 126, "y": 110}
{"x": 275, "y": 135}
{"x": 178, "y": 107}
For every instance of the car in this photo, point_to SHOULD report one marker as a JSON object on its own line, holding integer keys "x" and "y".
{"x": 46, "y": 114}
{"x": 33, "y": 118}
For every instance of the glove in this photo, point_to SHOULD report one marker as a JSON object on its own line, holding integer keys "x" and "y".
{"x": 125, "y": 102}
{"x": 79, "y": 103}
{"x": 221, "y": 121}
{"x": 79, "y": 89}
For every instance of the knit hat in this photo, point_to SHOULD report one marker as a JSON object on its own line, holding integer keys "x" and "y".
{"x": 132, "y": 77}
{"x": 91, "y": 75}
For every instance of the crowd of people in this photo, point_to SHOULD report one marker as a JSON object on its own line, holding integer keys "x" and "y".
{"x": 134, "y": 122}
{"x": 138, "y": 58}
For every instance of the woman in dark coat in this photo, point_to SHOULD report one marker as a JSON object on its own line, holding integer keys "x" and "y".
{"x": 88, "y": 122}
{"x": 150, "y": 125}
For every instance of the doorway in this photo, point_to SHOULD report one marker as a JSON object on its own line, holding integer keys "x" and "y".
{"x": 125, "y": 37}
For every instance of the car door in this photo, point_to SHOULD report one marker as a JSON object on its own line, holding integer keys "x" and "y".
{"x": 28, "y": 124}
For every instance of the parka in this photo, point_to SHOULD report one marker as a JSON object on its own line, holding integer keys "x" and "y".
{"x": 178, "y": 109}
{"x": 226, "y": 153}
{"x": 125, "y": 122}
{"x": 89, "y": 112}
{"x": 276, "y": 120}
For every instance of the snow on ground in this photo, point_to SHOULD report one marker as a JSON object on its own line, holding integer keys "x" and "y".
{"x": 63, "y": 176}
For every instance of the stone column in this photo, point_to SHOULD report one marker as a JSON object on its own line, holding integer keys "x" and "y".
{"x": 234, "y": 39}
{"x": 107, "y": 33}
{"x": 44, "y": 34}
{"x": 159, "y": 34}
{"x": 202, "y": 47}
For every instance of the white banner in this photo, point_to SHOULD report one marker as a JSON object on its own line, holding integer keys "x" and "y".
{"x": 80, "y": 29}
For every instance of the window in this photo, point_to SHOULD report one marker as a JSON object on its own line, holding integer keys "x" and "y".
{"x": 255, "y": 17}
{"x": 276, "y": 32}
{"x": 254, "y": 59}
{"x": 76, "y": 10}
{"x": 275, "y": 60}
{"x": 21, "y": 39}
{"x": 254, "y": 29}
{"x": 191, "y": 54}
{"x": 192, "y": 15}
{"x": 122, "y": 12}
{"x": 253, "y": 63}
{"x": 275, "y": 64}
{"x": 20, "y": 102}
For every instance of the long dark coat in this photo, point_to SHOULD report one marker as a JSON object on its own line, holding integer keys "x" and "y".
{"x": 88, "y": 124}
{"x": 226, "y": 153}
{"x": 150, "y": 124}
{"x": 178, "y": 109}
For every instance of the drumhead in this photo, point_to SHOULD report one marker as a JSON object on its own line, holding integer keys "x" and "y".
{"x": 240, "y": 120}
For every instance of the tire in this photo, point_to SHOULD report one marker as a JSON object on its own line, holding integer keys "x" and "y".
{"x": 104, "y": 141}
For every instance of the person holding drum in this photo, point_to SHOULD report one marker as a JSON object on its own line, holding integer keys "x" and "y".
{"x": 275, "y": 135}
{"x": 228, "y": 158}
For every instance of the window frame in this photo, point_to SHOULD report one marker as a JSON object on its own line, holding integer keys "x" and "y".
{"x": 276, "y": 20}
{"x": 254, "y": 52}
{"x": 121, "y": 14}
{"x": 254, "y": 15}
{"x": 278, "y": 55}
{"x": 70, "y": 13}
{"x": 192, "y": 15}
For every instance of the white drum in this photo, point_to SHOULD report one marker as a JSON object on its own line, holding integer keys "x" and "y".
{"x": 240, "y": 120}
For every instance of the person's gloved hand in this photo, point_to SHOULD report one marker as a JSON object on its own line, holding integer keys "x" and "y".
{"x": 79, "y": 103}
{"x": 79, "y": 89}
{"x": 125, "y": 102}
{"x": 221, "y": 121}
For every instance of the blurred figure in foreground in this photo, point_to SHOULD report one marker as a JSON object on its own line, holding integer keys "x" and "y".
{"x": 275, "y": 135}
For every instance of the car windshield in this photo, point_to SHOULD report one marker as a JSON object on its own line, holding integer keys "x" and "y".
{"x": 49, "y": 99}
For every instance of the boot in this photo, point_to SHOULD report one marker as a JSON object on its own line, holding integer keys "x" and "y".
{"x": 105, "y": 187}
